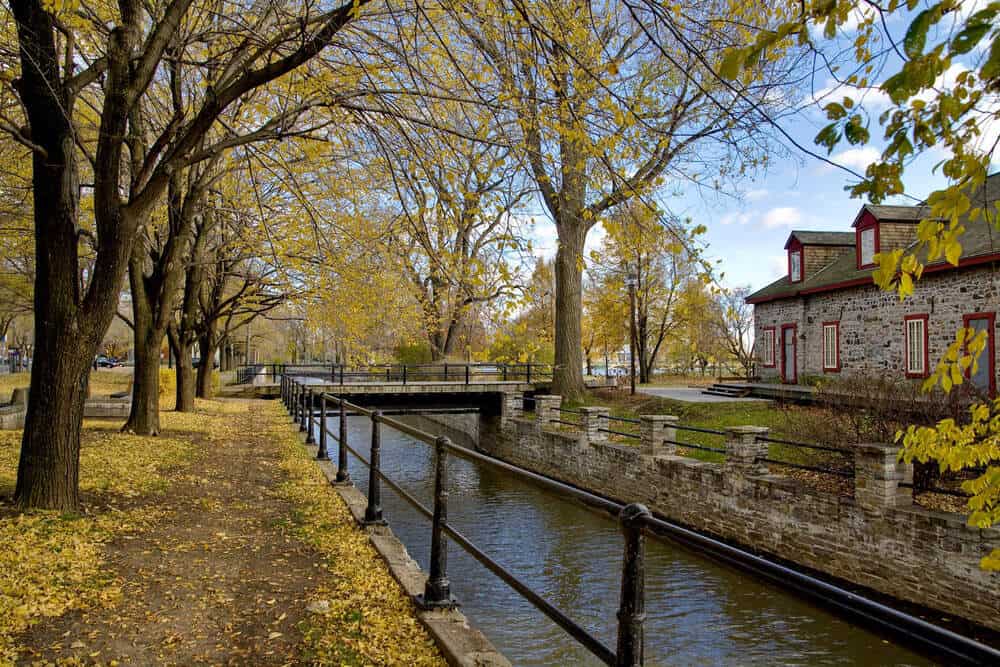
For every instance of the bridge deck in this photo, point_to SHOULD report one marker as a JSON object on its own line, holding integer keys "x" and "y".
{"x": 270, "y": 389}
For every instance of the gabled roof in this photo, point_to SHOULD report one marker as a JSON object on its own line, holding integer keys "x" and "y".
{"x": 980, "y": 244}
{"x": 821, "y": 238}
{"x": 912, "y": 214}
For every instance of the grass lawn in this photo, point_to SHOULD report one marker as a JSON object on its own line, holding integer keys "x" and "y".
{"x": 102, "y": 382}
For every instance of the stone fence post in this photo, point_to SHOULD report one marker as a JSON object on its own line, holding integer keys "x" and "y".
{"x": 545, "y": 409}
{"x": 591, "y": 420}
{"x": 877, "y": 476}
{"x": 658, "y": 434}
{"x": 743, "y": 449}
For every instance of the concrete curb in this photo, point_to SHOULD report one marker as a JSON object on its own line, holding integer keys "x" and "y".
{"x": 461, "y": 644}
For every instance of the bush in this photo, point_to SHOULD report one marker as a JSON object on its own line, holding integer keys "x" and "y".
{"x": 413, "y": 353}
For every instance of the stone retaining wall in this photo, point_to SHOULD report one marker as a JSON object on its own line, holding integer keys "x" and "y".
{"x": 878, "y": 539}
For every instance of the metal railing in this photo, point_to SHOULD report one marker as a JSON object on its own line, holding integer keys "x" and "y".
{"x": 471, "y": 373}
{"x": 301, "y": 400}
{"x": 635, "y": 520}
{"x": 845, "y": 457}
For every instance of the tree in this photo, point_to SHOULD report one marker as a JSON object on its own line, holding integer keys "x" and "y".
{"x": 735, "y": 325}
{"x": 112, "y": 61}
{"x": 662, "y": 255}
{"x": 604, "y": 109}
{"x": 932, "y": 107}
{"x": 458, "y": 238}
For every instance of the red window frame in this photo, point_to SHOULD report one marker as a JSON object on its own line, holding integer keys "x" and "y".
{"x": 836, "y": 325}
{"x": 796, "y": 246}
{"x": 991, "y": 349}
{"x": 868, "y": 221}
{"x": 906, "y": 345}
{"x": 774, "y": 345}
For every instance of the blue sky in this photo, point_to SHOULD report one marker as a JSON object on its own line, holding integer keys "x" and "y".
{"x": 747, "y": 229}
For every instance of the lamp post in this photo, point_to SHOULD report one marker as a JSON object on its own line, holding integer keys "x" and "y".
{"x": 630, "y": 282}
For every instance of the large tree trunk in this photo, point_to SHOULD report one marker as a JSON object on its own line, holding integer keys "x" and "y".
{"x": 207, "y": 353}
{"x": 144, "y": 416}
{"x": 183, "y": 372}
{"x": 567, "y": 374}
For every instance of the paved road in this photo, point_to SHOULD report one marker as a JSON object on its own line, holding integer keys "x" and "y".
{"x": 692, "y": 395}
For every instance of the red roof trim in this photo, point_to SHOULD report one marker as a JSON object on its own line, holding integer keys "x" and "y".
{"x": 857, "y": 282}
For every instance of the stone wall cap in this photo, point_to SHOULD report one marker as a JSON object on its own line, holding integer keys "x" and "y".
{"x": 747, "y": 429}
{"x": 659, "y": 418}
{"x": 594, "y": 409}
{"x": 546, "y": 397}
{"x": 876, "y": 448}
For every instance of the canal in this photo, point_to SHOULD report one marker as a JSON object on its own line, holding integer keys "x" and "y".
{"x": 698, "y": 611}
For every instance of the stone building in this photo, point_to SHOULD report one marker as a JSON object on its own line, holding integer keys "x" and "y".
{"x": 826, "y": 317}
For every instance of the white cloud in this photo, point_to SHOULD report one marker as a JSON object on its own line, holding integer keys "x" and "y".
{"x": 735, "y": 219}
{"x": 857, "y": 158}
{"x": 755, "y": 195}
{"x": 777, "y": 266}
{"x": 783, "y": 216}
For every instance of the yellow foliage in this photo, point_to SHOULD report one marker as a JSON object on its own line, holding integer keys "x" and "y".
{"x": 370, "y": 620}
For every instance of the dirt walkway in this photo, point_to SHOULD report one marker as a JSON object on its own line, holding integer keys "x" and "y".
{"x": 223, "y": 579}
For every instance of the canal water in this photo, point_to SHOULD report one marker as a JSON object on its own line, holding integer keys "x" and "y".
{"x": 698, "y": 612}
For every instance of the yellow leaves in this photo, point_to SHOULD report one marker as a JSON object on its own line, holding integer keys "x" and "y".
{"x": 958, "y": 446}
{"x": 366, "y": 618}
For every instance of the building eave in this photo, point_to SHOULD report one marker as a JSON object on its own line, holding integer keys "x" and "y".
{"x": 859, "y": 282}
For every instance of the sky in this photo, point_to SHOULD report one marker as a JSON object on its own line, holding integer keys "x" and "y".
{"x": 748, "y": 228}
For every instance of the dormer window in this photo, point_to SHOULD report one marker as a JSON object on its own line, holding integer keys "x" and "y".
{"x": 867, "y": 241}
{"x": 795, "y": 265}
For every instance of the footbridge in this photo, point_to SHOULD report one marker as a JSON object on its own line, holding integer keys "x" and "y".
{"x": 493, "y": 389}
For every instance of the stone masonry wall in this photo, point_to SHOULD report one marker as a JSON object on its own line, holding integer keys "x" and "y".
{"x": 928, "y": 558}
{"x": 871, "y": 321}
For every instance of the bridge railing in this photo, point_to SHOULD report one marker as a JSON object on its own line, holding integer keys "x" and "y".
{"x": 636, "y": 522}
{"x": 471, "y": 373}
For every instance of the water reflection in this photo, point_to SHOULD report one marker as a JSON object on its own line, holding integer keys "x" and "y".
{"x": 698, "y": 612}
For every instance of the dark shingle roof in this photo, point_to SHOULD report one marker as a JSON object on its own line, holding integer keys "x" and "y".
{"x": 898, "y": 213}
{"x": 980, "y": 240}
{"x": 823, "y": 238}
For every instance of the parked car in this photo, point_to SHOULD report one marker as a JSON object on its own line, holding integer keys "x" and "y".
{"x": 196, "y": 361}
{"x": 107, "y": 362}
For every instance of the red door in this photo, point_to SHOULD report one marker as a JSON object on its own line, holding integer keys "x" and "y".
{"x": 789, "y": 365}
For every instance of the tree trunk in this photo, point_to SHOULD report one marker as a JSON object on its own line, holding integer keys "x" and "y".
{"x": 183, "y": 372}
{"x": 48, "y": 469}
{"x": 144, "y": 415}
{"x": 567, "y": 373}
{"x": 207, "y": 353}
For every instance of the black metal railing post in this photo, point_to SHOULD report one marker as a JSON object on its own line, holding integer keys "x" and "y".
{"x": 284, "y": 398}
{"x": 373, "y": 512}
{"x": 341, "y": 374}
{"x": 467, "y": 374}
{"x": 446, "y": 372}
{"x": 302, "y": 408}
{"x": 437, "y": 590}
{"x": 322, "y": 454}
{"x": 632, "y": 605}
{"x": 294, "y": 407}
{"x": 505, "y": 372}
{"x": 310, "y": 438}
{"x": 404, "y": 373}
{"x": 388, "y": 375}
{"x": 343, "y": 476}
{"x": 528, "y": 380}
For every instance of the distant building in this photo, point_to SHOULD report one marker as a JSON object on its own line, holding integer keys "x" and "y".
{"x": 827, "y": 317}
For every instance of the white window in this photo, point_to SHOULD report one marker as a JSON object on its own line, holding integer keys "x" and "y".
{"x": 831, "y": 346}
{"x": 766, "y": 351}
{"x": 916, "y": 345}
{"x": 795, "y": 266}
{"x": 868, "y": 246}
